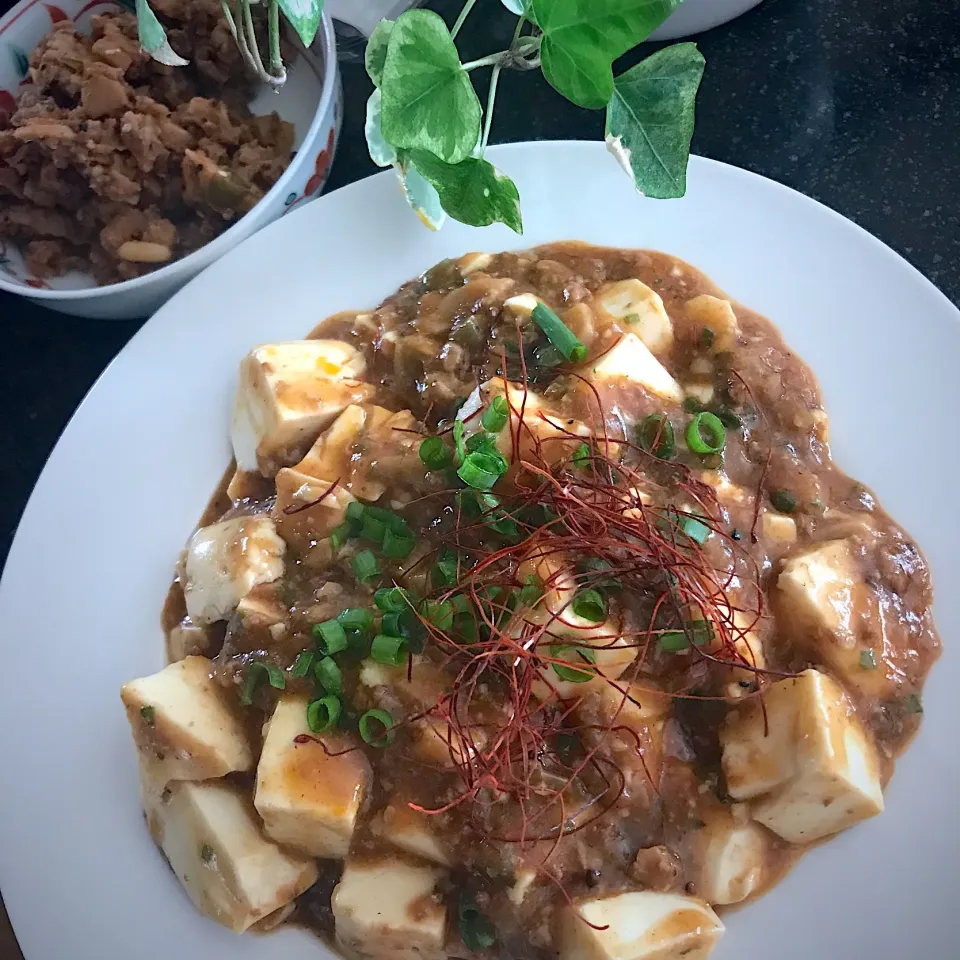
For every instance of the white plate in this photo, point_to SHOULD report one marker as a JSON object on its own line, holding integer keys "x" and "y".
{"x": 81, "y": 594}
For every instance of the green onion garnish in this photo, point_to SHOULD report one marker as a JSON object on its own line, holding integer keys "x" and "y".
{"x": 590, "y": 605}
{"x": 458, "y": 440}
{"x": 559, "y": 334}
{"x": 674, "y": 641}
{"x": 392, "y": 599}
{"x": 355, "y": 511}
{"x": 322, "y": 714}
{"x": 444, "y": 573}
{"x": 728, "y": 418}
{"x": 707, "y": 337}
{"x": 495, "y": 417}
{"x": 206, "y": 853}
{"x": 482, "y": 470}
{"x": 547, "y": 355}
{"x": 376, "y": 728}
{"x": 701, "y": 631}
{"x": 706, "y": 435}
{"x": 331, "y": 636}
{"x": 784, "y": 501}
{"x": 255, "y": 673}
{"x": 340, "y": 535}
{"x": 328, "y": 675}
{"x": 476, "y": 931}
{"x": 398, "y": 546}
{"x": 912, "y": 703}
{"x": 148, "y": 714}
{"x": 531, "y": 591}
{"x": 438, "y": 612}
{"x": 365, "y": 566}
{"x": 594, "y": 565}
{"x": 371, "y": 528}
{"x": 868, "y": 660}
{"x": 390, "y": 624}
{"x": 389, "y": 650}
{"x": 303, "y": 664}
{"x": 434, "y": 453}
{"x": 655, "y": 435}
{"x": 356, "y": 618}
{"x": 693, "y": 405}
{"x": 568, "y": 673}
{"x": 581, "y": 456}
{"x": 694, "y": 528}
{"x": 495, "y": 517}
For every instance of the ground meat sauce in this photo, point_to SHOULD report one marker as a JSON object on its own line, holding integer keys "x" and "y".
{"x": 608, "y": 804}
{"x": 115, "y": 164}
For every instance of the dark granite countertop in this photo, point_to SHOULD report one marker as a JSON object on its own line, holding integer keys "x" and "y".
{"x": 854, "y": 102}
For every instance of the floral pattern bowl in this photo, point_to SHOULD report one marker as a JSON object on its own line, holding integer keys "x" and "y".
{"x": 311, "y": 100}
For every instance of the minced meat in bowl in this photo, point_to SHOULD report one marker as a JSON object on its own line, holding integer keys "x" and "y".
{"x": 114, "y": 164}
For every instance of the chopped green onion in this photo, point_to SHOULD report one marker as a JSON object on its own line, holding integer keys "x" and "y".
{"x": 559, "y": 334}
{"x": 461, "y": 603}
{"x": 482, "y": 470}
{"x": 705, "y": 434}
{"x": 340, "y": 535}
{"x": 581, "y": 456}
{"x": 148, "y": 714}
{"x": 728, "y": 418}
{"x": 392, "y": 599}
{"x": 303, "y": 664}
{"x": 912, "y": 703}
{"x": 398, "y": 546}
{"x": 206, "y": 853}
{"x": 458, "y": 440}
{"x": 483, "y": 443}
{"x": 694, "y": 528}
{"x": 355, "y": 511}
{"x": 331, "y": 636}
{"x": 476, "y": 931}
{"x": 434, "y": 453}
{"x": 389, "y": 650}
{"x": 390, "y": 624}
{"x": 328, "y": 675}
{"x": 693, "y": 405}
{"x": 356, "y": 618}
{"x": 438, "y": 612}
{"x": 707, "y": 337}
{"x": 255, "y": 673}
{"x": 495, "y": 417}
{"x": 371, "y": 528}
{"x": 495, "y": 517}
{"x": 376, "y": 728}
{"x": 868, "y": 660}
{"x": 655, "y": 435}
{"x": 531, "y": 591}
{"x": 365, "y": 566}
{"x": 593, "y": 565}
{"x": 590, "y": 605}
{"x": 674, "y": 641}
{"x": 547, "y": 355}
{"x": 784, "y": 501}
{"x": 632, "y": 318}
{"x": 444, "y": 573}
{"x": 568, "y": 673}
{"x": 701, "y": 631}
{"x": 323, "y": 714}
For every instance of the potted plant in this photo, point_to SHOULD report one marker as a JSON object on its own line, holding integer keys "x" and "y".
{"x": 425, "y": 119}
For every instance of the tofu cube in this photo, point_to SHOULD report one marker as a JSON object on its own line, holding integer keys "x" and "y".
{"x": 717, "y": 316}
{"x": 633, "y": 303}
{"x": 731, "y": 859}
{"x": 473, "y": 262}
{"x": 225, "y": 561}
{"x": 308, "y": 510}
{"x": 782, "y": 530}
{"x": 183, "y": 724}
{"x": 803, "y": 758}
{"x": 188, "y": 639}
{"x": 521, "y": 305}
{"x": 631, "y": 360}
{"x": 307, "y": 799}
{"x": 389, "y": 908}
{"x": 289, "y": 392}
{"x": 410, "y": 832}
{"x": 642, "y": 925}
{"x": 212, "y": 840}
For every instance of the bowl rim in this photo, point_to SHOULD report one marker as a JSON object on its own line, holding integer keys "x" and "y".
{"x": 219, "y": 245}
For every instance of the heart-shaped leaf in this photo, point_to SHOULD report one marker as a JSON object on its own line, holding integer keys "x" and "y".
{"x": 304, "y": 17}
{"x": 381, "y": 152}
{"x": 516, "y": 6}
{"x": 582, "y": 38}
{"x": 472, "y": 191}
{"x": 428, "y": 102}
{"x": 153, "y": 38}
{"x": 376, "y": 53}
{"x": 650, "y": 119}
{"x": 421, "y": 194}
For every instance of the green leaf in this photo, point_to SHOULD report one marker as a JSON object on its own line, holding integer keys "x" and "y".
{"x": 582, "y": 38}
{"x": 381, "y": 152}
{"x": 420, "y": 194}
{"x": 518, "y": 7}
{"x": 428, "y": 101}
{"x": 153, "y": 38}
{"x": 650, "y": 119}
{"x": 304, "y": 17}
{"x": 376, "y": 54}
{"x": 473, "y": 191}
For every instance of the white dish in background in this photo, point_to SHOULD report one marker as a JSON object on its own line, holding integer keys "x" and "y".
{"x": 311, "y": 100}
{"x": 695, "y": 16}
{"x": 80, "y": 598}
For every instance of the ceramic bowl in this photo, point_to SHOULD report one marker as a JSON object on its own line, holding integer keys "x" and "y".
{"x": 311, "y": 100}
{"x": 695, "y": 16}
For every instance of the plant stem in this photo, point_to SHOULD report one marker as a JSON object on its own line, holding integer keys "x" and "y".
{"x": 273, "y": 30}
{"x": 251, "y": 38}
{"x": 486, "y": 61}
{"x": 491, "y": 97}
{"x": 464, "y": 13}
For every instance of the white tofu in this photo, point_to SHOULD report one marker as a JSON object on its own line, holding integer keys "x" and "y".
{"x": 522, "y": 883}
{"x": 632, "y": 302}
{"x": 472, "y": 262}
{"x": 388, "y": 908}
{"x": 308, "y": 510}
{"x": 632, "y": 360}
{"x": 183, "y": 724}
{"x": 727, "y": 493}
{"x": 287, "y": 393}
{"x": 225, "y": 561}
{"x": 732, "y": 859}
{"x": 779, "y": 528}
{"x": 716, "y": 315}
{"x": 643, "y": 925}
{"x": 232, "y": 873}
{"x": 521, "y": 305}
{"x": 410, "y": 832}
{"x": 803, "y": 759}
{"x": 699, "y": 390}
{"x": 188, "y": 639}
{"x": 308, "y": 800}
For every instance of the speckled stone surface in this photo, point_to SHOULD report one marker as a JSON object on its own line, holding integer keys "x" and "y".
{"x": 853, "y": 102}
